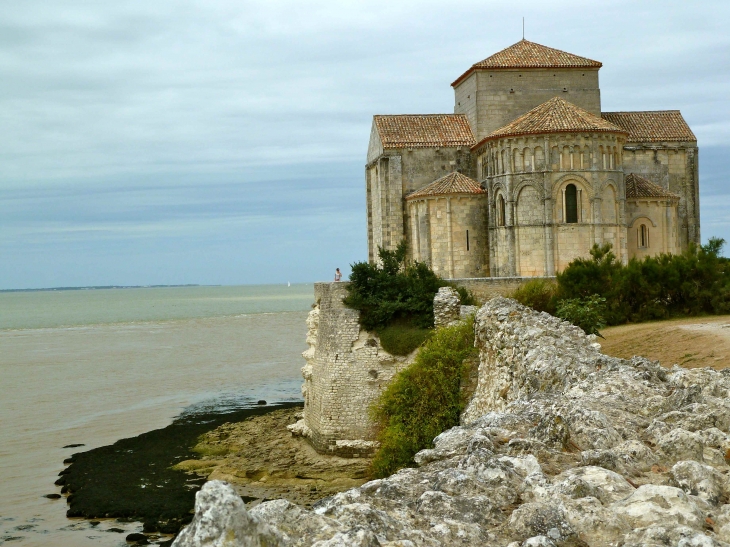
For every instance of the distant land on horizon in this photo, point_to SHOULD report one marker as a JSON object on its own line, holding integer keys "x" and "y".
{"x": 100, "y": 287}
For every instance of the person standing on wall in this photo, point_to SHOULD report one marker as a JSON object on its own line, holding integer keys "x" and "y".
{"x": 338, "y": 275}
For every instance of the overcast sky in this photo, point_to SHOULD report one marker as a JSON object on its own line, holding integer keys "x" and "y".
{"x": 223, "y": 142}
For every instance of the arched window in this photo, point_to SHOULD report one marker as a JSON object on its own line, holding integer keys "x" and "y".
{"x": 571, "y": 204}
{"x": 500, "y": 210}
{"x": 643, "y": 236}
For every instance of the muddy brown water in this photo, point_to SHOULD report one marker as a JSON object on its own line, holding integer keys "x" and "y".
{"x": 94, "y": 384}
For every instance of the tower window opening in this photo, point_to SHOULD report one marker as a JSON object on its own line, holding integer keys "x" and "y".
{"x": 571, "y": 204}
{"x": 500, "y": 210}
{"x": 643, "y": 236}
{"x": 467, "y": 240}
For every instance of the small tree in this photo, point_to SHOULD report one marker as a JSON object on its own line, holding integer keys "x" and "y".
{"x": 586, "y": 313}
{"x": 395, "y": 291}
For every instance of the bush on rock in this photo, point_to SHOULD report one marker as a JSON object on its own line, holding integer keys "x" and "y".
{"x": 395, "y": 298}
{"x": 424, "y": 399}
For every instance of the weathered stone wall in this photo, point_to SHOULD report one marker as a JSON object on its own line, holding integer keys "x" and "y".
{"x": 493, "y": 98}
{"x": 450, "y": 234}
{"x": 393, "y": 174}
{"x": 384, "y": 203}
{"x": 674, "y": 166}
{"x": 486, "y": 288}
{"x": 660, "y": 220}
{"x": 346, "y": 370}
{"x": 526, "y": 180}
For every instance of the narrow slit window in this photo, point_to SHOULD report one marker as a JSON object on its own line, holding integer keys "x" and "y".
{"x": 467, "y": 240}
{"x": 571, "y": 204}
{"x": 643, "y": 236}
{"x": 500, "y": 210}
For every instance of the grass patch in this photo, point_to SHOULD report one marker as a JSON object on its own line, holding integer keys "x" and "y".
{"x": 402, "y": 339}
{"x": 425, "y": 399}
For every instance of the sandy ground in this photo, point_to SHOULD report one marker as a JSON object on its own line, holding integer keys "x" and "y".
{"x": 692, "y": 342}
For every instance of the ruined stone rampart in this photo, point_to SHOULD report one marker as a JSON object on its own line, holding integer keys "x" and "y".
{"x": 346, "y": 370}
{"x": 484, "y": 288}
{"x": 561, "y": 446}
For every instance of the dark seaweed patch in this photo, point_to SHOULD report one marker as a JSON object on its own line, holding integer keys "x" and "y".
{"x": 132, "y": 479}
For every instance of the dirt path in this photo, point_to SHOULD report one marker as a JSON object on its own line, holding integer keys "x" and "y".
{"x": 692, "y": 342}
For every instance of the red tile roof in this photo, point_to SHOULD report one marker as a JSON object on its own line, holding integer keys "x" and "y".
{"x": 525, "y": 54}
{"x": 453, "y": 183}
{"x": 652, "y": 126}
{"x": 424, "y": 131}
{"x": 554, "y": 116}
{"x": 639, "y": 187}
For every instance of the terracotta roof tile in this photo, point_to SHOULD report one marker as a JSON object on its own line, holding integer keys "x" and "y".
{"x": 652, "y": 126}
{"x": 554, "y": 116}
{"x": 639, "y": 187}
{"x": 424, "y": 130}
{"x": 525, "y": 54}
{"x": 453, "y": 183}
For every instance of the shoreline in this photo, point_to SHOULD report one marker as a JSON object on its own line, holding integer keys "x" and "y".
{"x": 133, "y": 478}
{"x": 262, "y": 460}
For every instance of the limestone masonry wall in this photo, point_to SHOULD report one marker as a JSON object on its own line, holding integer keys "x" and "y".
{"x": 346, "y": 371}
{"x": 485, "y": 288}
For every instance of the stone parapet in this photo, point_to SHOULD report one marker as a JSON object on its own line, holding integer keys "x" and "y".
{"x": 486, "y": 288}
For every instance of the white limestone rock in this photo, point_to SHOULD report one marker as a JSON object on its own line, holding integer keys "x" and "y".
{"x": 699, "y": 480}
{"x": 299, "y": 429}
{"x": 596, "y": 482}
{"x": 559, "y": 446}
{"x": 467, "y": 311}
{"x": 656, "y": 505}
{"x": 221, "y": 520}
{"x": 446, "y": 307}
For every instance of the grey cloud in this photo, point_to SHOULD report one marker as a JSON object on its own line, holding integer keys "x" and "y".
{"x": 147, "y": 121}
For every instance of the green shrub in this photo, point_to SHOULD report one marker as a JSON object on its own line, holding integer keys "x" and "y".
{"x": 393, "y": 292}
{"x": 402, "y": 339}
{"x": 465, "y": 295}
{"x": 539, "y": 294}
{"x": 695, "y": 282}
{"x": 586, "y": 313}
{"x": 423, "y": 400}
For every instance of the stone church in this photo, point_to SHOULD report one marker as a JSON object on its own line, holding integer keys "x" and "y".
{"x": 529, "y": 172}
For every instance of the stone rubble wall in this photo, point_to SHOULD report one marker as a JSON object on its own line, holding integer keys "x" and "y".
{"x": 346, "y": 370}
{"x": 485, "y": 288}
{"x": 561, "y": 446}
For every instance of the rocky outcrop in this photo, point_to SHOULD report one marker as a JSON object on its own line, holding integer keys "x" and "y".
{"x": 446, "y": 307}
{"x": 561, "y": 446}
{"x": 222, "y": 521}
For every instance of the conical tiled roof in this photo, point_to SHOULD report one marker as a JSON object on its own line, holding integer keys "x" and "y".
{"x": 453, "y": 183}
{"x": 639, "y": 187}
{"x": 526, "y": 54}
{"x": 554, "y": 116}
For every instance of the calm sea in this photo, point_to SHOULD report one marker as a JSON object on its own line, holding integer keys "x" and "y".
{"x": 94, "y": 366}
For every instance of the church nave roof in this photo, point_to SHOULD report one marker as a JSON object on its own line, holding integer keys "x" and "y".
{"x": 424, "y": 131}
{"x": 652, "y": 125}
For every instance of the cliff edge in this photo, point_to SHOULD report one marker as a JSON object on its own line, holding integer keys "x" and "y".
{"x": 560, "y": 446}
